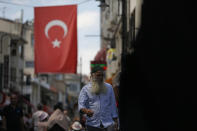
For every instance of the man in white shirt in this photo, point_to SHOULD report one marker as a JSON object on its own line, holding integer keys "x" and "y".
{"x": 97, "y": 102}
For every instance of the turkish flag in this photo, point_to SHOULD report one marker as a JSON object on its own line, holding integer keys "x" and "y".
{"x": 55, "y": 34}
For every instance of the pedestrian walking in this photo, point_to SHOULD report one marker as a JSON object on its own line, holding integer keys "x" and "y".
{"x": 13, "y": 115}
{"x": 39, "y": 116}
{"x": 97, "y": 101}
{"x": 57, "y": 121}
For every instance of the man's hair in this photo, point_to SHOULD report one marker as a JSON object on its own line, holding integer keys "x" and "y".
{"x": 39, "y": 106}
{"x": 13, "y": 93}
{"x": 59, "y": 105}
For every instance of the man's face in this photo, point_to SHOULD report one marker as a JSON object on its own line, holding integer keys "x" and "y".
{"x": 13, "y": 99}
{"x": 98, "y": 83}
{"x": 98, "y": 76}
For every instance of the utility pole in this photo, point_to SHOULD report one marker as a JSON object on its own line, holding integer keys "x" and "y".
{"x": 3, "y": 11}
{"x": 22, "y": 13}
{"x": 80, "y": 68}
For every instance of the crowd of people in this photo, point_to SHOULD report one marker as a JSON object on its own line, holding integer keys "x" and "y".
{"x": 12, "y": 118}
{"x": 97, "y": 108}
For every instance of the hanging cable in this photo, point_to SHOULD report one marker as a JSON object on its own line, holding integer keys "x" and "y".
{"x": 83, "y": 2}
{"x": 15, "y": 4}
{"x": 25, "y": 5}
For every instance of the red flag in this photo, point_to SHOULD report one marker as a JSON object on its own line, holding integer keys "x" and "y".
{"x": 55, "y": 31}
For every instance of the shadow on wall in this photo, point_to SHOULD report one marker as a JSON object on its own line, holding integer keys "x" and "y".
{"x": 157, "y": 79}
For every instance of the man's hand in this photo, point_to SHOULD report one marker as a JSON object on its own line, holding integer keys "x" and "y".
{"x": 87, "y": 111}
{"x": 115, "y": 124}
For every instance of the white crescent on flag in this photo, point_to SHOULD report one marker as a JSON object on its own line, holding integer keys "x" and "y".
{"x": 56, "y": 23}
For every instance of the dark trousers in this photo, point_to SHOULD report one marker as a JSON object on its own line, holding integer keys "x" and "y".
{"x": 109, "y": 128}
{"x": 56, "y": 127}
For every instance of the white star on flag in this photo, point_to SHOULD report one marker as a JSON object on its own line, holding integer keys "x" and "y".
{"x": 56, "y": 43}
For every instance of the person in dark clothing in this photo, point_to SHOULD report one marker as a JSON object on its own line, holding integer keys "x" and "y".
{"x": 1, "y": 112}
{"x": 56, "y": 127}
{"x": 13, "y": 116}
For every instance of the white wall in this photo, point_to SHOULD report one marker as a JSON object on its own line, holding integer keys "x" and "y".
{"x": 10, "y": 27}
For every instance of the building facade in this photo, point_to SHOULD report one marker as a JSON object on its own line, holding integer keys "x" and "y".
{"x": 12, "y": 41}
{"x": 17, "y": 66}
{"x": 120, "y": 22}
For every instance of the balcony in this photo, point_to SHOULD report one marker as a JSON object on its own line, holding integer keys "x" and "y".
{"x": 17, "y": 62}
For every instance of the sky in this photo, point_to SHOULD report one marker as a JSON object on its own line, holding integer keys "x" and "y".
{"x": 88, "y": 23}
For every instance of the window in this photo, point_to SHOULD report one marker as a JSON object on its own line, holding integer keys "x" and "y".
{"x": 132, "y": 25}
{"x": 21, "y": 77}
{"x": 13, "y": 52}
{"x": 20, "y": 51}
{"x": 32, "y": 39}
{"x": 1, "y": 46}
{"x": 13, "y": 48}
{"x": 72, "y": 87}
{"x": 29, "y": 64}
{"x": 13, "y": 74}
{"x": 44, "y": 77}
{"x": 131, "y": 35}
{"x": 4, "y": 40}
{"x": 59, "y": 77}
{"x": 6, "y": 71}
{"x": 113, "y": 43}
{"x": 28, "y": 80}
{"x": 119, "y": 7}
{"x": 111, "y": 7}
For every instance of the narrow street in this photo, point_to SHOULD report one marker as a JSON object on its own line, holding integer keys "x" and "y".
{"x": 88, "y": 65}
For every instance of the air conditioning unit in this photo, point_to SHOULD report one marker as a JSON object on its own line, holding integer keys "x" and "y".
{"x": 43, "y": 79}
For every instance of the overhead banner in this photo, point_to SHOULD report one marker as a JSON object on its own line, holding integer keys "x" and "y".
{"x": 55, "y": 34}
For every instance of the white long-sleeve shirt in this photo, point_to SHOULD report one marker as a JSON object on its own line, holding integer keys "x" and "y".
{"x": 103, "y": 105}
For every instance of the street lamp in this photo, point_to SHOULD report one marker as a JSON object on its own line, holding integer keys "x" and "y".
{"x": 103, "y": 4}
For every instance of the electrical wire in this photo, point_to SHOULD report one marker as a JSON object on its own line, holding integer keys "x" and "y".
{"x": 25, "y": 5}
{"x": 83, "y": 2}
{"x": 15, "y": 4}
